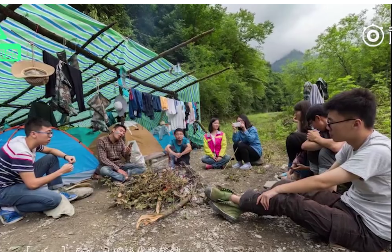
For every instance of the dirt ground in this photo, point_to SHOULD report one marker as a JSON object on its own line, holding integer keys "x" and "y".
{"x": 96, "y": 227}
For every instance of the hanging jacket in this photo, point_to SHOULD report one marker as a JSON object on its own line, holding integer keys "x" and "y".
{"x": 71, "y": 74}
{"x": 156, "y": 103}
{"x": 138, "y": 96}
{"x": 250, "y": 137}
{"x": 42, "y": 110}
{"x": 217, "y": 149}
{"x": 99, "y": 121}
{"x": 315, "y": 96}
{"x": 148, "y": 108}
{"x": 323, "y": 88}
{"x": 160, "y": 130}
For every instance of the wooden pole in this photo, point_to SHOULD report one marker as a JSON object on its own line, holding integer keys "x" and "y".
{"x": 173, "y": 81}
{"x": 162, "y": 54}
{"x": 206, "y": 77}
{"x": 104, "y": 56}
{"x": 11, "y": 7}
{"x": 16, "y": 110}
{"x": 31, "y": 25}
{"x": 94, "y": 75}
{"x": 156, "y": 74}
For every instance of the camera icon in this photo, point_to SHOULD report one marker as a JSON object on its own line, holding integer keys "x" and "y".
{"x": 371, "y": 35}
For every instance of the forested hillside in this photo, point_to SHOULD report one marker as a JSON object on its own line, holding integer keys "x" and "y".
{"x": 294, "y": 55}
{"x": 340, "y": 57}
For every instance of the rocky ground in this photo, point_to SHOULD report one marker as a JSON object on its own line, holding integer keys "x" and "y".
{"x": 97, "y": 227}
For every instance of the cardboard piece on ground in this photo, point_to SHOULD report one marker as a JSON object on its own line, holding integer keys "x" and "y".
{"x": 269, "y": 184}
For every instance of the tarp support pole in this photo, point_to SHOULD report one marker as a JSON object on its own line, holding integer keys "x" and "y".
{"x": 173, "y": 81}
{"x": 11, "y": 7}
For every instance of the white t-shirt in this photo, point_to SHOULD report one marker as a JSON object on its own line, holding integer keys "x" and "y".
{"x": 370, "y": 197}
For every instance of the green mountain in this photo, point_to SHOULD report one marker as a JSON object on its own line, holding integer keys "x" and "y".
{"x": 293, "y": 55}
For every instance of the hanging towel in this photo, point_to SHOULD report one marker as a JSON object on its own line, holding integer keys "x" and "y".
{"x": 315, "y": 96}
{"x": 164, "y": 104}
{"x": 172, "y": 106}
{"x": 156, "y": 103}
{"x": 148, "y": 108}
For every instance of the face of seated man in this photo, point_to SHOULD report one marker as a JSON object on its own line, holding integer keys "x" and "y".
{"x": 118, "y": 133}
{"x": 179, "y": 136}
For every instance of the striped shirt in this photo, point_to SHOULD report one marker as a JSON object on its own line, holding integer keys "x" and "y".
{"x": 15, "y": 157}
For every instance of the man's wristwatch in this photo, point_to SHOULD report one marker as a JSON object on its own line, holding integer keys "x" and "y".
{"x": 65, "y": 156}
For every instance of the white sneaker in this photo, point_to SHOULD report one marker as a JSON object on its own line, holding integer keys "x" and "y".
{"x": 246, "y": 166}
{"x": 237, "y": 165}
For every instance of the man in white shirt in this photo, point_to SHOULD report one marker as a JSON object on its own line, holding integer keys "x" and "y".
{"x": 360, "y": 219}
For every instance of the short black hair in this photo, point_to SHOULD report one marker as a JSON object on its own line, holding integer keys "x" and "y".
{"x": 247, "y": 123}
{"x": 358, "y": 102}
{"x": 211, "y": 122}
{"x": 118, "y": 126}
{"x": 316, "y": 110}
{"x": 35, "y": 124}
{"x": 179, "y": 130}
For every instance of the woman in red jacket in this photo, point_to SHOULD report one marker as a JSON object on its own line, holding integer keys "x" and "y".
{"x": 215, "y": 147}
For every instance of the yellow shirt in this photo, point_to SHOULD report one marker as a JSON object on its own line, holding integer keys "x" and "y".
{"x": 164, "y": 104}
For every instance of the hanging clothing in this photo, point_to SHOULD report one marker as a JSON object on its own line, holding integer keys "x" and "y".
{"x": 42, "y": 110}
{"x": 196, "y": 111}
{"x": 164, "y": 104}
{"x": 160, "y": 130}
{"x": 172, "y": 106}
{"x": 62, "y": 98}
{"x": 307, "y": 89}
{"x": 100, "y": 119}
{"x": 315, "y": 96}
{"x": 156, "y": 103}
{"x": 177, "y": 120}
{"x": 122, "y": 82}
{"x": 192, "y": 113}
{"x": 132, "y": 104}
{"x": 148, "y": 108}
{"x": 71, "y": 74}
{"x": 187, "y": 111}
{"x": 323, "y": 88}
{"x": 137, "y": 105}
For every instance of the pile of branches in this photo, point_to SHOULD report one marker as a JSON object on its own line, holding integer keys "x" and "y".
{"x": 153, "y": 190}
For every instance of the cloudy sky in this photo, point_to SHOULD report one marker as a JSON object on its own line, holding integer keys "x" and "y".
{"x": 296, "y": 26}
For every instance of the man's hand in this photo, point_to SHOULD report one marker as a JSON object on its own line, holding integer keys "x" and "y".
{"x": 178, "y": 155}
{"x": 66, "y": 168}
{"x": 70, "y": 159}
{"x": 313, "y": 135}
{"x": 265, "y": 197}
{"x": 123, "y": 173}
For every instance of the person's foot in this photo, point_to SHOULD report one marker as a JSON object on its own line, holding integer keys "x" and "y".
{"x": 218, "y": 195}
{"x": 237, "y": 165}
{"x": 246, "y": 166}
{"x": 227, "y": 210}
{"x": 9, "y": 217}
{"x": 208, "y": 167}
{"x": 70, "y": 196}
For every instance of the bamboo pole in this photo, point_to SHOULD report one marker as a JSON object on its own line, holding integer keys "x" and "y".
{"x": 11, "y": 7}
{"x": 173, "y": 81}
{"x": 204, "y": 78}
{"x": 156, "y": 74}
{"x": 162, "y": 54}
{"x": 31, "y": 25}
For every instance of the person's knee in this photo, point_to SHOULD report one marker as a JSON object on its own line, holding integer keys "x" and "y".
{"x": 242, "y": 146}
{"x": 105, "y": 170}
{"x": 51, "y": 199}
{"x": 248, "y": 200}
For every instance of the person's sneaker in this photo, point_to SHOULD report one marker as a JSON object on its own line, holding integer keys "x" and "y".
{"x": 227, "y": 210}
{"x": 208, "y": 167}
{"x": 70, "y": 196}
{"x": 218, "y": 194}
{"x": 246, "y": 166}
{"x": 9, "y": 217}
{"x": 237, "y": 165}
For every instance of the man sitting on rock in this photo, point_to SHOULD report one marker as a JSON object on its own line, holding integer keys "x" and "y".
{"x": 360, "y": 219}
{"x": 111, "y": 151}
{"x": 21, "y": 178}
{"x": 179, "y": 149}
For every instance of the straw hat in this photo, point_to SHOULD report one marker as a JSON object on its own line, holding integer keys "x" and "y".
{"x": 34, "y": 72}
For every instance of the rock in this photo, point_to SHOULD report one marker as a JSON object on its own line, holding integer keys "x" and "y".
{"x": 14, "y": 248}
{"x": 258, "y": 236}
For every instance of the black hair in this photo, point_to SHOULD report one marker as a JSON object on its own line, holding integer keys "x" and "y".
{"x": 316, "y": 110}
{"x": 358, "y": 102}
{"x": 35, "y": 124}
{"x": 179, "y": 129}
{"x": 210, "y": 129}
{"x": 246, "y": 121}
{"x": 119, "y": 126}
{"x": 303, "y": 107}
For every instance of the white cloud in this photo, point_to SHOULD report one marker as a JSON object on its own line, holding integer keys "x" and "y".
{"x": 297, "y": 26}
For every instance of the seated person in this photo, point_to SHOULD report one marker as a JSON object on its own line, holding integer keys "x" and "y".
{"x": 295, "y": 140}
{"x": 111, "y": 150}
{"x": 215, "y": 147}
{"x": 21, "y": 178}
{"x": 360, "y": 219}
{"x": 247, "y": 146}
{"x": 321, "y": 148}
{"x": 179, "y": 149}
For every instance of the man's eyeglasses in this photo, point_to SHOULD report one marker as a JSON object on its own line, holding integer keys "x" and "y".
{"x": 329, "y": 123}
{"x": 49, "y": 133}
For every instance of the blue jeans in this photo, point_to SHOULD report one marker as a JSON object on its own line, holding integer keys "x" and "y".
{"x": 26, "y": 200}
{"x": 209, "y": 160}
{"x": 131, "y": 169}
